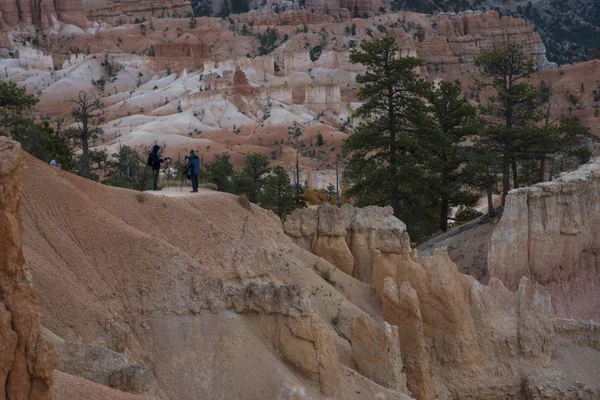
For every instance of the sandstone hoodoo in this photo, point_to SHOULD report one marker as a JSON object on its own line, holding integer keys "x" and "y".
{"x": 334, "y": 137}
{"x": 549, "y": 233}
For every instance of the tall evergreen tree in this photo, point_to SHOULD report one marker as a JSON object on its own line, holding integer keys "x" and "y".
{"x": 382, "y": 168}
{"x": 505, "y": 71}
{"x": 449, "y": 123}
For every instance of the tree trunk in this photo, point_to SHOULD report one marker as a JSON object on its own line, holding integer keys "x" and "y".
{"x": 393, "y": 168}
{"x": 491, "y": 210}
{"x": 85, "y": 158}
{"x": 444, "y": 199}
{"x": 515, "y": 172}
{"x": 444, "y": 215}
{"x": 542, "y": 168}
{"x": 505, "y": 177}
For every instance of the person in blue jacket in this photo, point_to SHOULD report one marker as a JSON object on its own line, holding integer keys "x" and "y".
{"x": 193, "y": 170}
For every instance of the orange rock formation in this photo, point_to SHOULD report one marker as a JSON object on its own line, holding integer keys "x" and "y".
{"x": 26, "y": 359}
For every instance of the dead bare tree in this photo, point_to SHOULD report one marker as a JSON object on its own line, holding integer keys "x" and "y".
{"x": 88, "y": 113}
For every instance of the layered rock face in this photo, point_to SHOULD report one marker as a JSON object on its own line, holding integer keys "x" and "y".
{"x": 369, "y": 7}
{"x": 451, "y": 323}
{"x": 366, "y": 243}
{"x": 42, "y": 14}
{"x": 550, "y": 233}
{"x": 456, "y": 39}
{"x": 288, "y": 17}
{"x": 26, "y": 360}
{"x": 376, "y": 351}
{"x": 128, "y": 11}
{"x": 323, "y": 98}
{"x": 449, "y": 335}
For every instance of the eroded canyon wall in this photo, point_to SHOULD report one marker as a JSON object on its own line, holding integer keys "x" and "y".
{"x": 456, "y": 38}
{"x": 366, "y": 243}
{"x": 550, "y": 233}
{"x": 451, "y": 336}
{"x": 40, "y": 14}
{"x": 26, "y": 359}
{"x": 128, "y": 11}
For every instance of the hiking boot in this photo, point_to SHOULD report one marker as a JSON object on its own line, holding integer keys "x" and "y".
{"x": 194, "y": 191}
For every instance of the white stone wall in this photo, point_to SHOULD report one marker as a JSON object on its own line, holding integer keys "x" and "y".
{"x": 30, "y": 58}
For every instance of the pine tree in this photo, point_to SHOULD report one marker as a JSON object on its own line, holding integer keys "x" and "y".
{"x": 482, "y": 168}
{"x": 331, "y": 193}
{"x": 251, "y": 179}
{"x": 42, "y": 142}
{"x": 278, "y": 194}
{"x": 380, "y": 168}
{"x": 320, "y": 141}
{"x": 39, "y": 140}
{"x": 13, "y": 99}
{"x": 506, "y": 71}
{"x": 443, "y": 135}
{"x": 127, "y": 169}
{"x": 221, "y": 173}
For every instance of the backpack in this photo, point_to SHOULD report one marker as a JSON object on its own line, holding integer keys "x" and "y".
{"x": 149, "y": 162}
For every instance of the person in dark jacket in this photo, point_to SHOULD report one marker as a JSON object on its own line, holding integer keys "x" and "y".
{"x": 193, "y": 170}
{"x": 154, "y": 161}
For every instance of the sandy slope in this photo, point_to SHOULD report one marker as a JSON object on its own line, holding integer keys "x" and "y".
{"x": 131, "y": 273}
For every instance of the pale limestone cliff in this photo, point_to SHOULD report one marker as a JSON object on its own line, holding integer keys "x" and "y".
{"x": 457, "y": 338}
{"x": 366, "y": 243}
{"x": 323, "y": 98}
{"x": 550, "y": 233}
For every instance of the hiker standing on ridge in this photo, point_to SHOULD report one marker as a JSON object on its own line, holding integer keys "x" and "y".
{"x": 193, "y": 170}
{"x": 154, "y": 161}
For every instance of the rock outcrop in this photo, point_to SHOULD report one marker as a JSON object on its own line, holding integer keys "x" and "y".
{"x": 128, "y": 11}
{"x": 306, "y": 343}
{"x": 376, "y": 351}
{"x": 550, "y": 233}
{"x": 100, "y": 364}
{"x": 323, "y": 98}
{"x": 26, "y": 359}
{"x": 41, "y": 14}
{"x": 454, "y": 337}
{"x": 288, "y": 17}
{"x": 366, "y": 243}
{"x": 412, "y": 341}
{"x": 471, "y": 328}
{"x": 360, "y": 7}
{"x": 455, "y": 39}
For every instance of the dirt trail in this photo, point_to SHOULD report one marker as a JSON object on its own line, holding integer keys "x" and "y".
{"x": 185, "y": 191}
